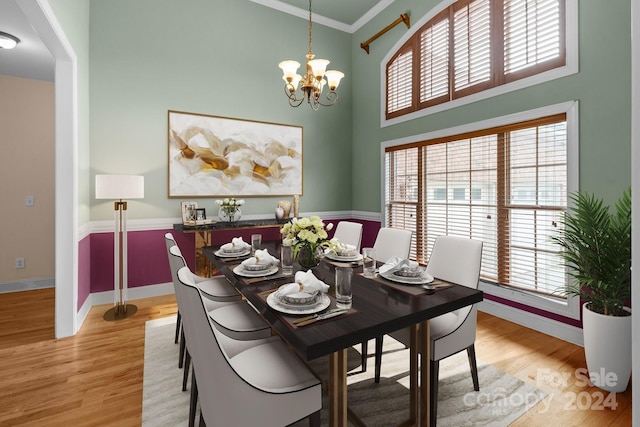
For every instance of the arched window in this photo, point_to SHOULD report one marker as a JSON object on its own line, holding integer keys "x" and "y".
{"x": 472, "y": 46}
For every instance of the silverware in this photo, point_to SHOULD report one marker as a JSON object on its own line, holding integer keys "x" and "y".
{"x": 316, "y": 317}
{"x": 313, "y": 316}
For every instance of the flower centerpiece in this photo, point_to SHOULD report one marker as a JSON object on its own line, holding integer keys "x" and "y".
{"x": 308, "y": 236}
{"x": 229, "y": 209}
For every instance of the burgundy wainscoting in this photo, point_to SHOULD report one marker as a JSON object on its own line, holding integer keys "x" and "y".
{"x": 84, "y": 270}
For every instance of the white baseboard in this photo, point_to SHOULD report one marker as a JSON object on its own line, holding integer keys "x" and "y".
{"x": 27, "y": 285}
{"x": 541, "y": 324}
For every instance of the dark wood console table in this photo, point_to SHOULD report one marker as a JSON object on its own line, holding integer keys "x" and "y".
{"x": 221, "y": 232}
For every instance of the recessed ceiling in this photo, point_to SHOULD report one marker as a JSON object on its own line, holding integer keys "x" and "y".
{"x": 344, "y": 15}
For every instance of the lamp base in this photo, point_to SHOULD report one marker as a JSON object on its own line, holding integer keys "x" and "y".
{"x": 119, "y": 312}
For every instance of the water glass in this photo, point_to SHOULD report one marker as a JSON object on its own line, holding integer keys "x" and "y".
{"x": 256, "y": 242}
{"x": 369, "y": 262}
{"x": 286, "y": 259}
{"x": 343, "y": 287}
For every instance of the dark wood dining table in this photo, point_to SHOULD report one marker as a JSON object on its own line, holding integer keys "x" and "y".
{"x": 379, "y": 306}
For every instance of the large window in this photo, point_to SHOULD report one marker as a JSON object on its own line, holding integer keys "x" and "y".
{"x": 505, "y": 186}
{"x": 472, "y": 46}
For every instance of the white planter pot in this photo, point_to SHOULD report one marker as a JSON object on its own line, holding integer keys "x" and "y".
{"x": 607, "y": 347}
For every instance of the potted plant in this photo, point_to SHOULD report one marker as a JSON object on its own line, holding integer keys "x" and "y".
{"x": 596, "y": 246}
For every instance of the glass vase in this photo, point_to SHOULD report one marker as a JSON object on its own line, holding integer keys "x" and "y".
{"x": 229, "y": 215}
{"x": 309, "y": 257}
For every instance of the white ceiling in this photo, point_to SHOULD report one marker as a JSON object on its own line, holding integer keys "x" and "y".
{"x": 31, "y": 59}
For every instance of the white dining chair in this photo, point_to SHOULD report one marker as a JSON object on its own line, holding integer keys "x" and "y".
{"x": 456, "y": 260}
{"x": 217, "y": 288}
{"x": 349, "y": 233}
{"x": 233, "y": 317}
{"x": 246, "y": 383}
{"x": 392, "y": 242}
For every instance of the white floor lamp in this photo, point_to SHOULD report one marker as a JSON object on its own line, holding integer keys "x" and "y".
{"x": 120, "y": 187}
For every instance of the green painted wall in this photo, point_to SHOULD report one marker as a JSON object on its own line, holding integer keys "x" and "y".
{"x": 602, "y": 87}
{"x": 211, "y": 57}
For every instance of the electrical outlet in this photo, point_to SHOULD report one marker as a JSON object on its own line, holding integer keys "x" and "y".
{"x": 19, "y": 262}
{"x": 29, "y": 201}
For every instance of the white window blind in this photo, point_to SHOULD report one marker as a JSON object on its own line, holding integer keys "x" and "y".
{"x": 399, "y": 82}
{"x": 531, "y": 33}
{"x": 434, "y": 62}
{"x": 472, "y": 44}
{"x": 506, "y": 187}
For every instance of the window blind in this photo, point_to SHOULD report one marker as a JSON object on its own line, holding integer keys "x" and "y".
{"x": 531, "y": 33}
{"x": 504, "y": 186}
{"x": 399, "y": 82}
{"x": 474, "y": 45}
{"x": 434, "y": 62}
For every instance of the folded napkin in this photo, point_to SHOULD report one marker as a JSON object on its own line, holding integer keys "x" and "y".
{"x": 236, "y": 244}
{"x": 261, "y": 257}
{"x": 305, "y": 281}
{"x": 342, "y": 248}
{"x": 395, "y": 263}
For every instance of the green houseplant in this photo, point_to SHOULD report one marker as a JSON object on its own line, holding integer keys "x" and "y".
{"x": 596, "y": 246}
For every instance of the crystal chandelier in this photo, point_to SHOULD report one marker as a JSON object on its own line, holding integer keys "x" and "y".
{"x": 312, "y": 83}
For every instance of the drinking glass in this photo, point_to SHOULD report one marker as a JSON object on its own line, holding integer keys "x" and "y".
{"x": 286, "y": 259}
{"x": 343, "y": 287}
{"x": 256, "y": 242}
{"x": 369, "y": 262}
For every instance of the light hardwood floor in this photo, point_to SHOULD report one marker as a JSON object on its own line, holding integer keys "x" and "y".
{"x": 95, "y": 377}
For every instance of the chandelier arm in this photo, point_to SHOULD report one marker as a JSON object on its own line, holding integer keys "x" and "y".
{"x": 332, "y": 97}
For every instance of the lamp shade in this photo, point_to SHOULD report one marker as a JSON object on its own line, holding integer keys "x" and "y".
{"x": 119, "y": 187}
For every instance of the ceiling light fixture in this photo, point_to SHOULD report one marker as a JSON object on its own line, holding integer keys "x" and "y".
{"x": 312, "y": 83}
{"x": 7, "y": 41}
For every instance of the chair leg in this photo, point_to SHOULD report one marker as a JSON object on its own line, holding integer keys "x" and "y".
{"x": 471, "y": 353}
{"x": 193, "y": 402}
{"x": 364, "y": 356}
{"x": 182, "y": 349}
{"x": 435, "y": 370}
{"x": 185, "y": 374}
{"x": 314, "y": 419}
{"x": 378, "y": 358}
{"x": 178, "y": 328}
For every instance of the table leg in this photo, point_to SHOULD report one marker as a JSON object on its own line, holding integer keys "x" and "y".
{"x": 413, "y": 374}
{"x": 338, "y": 388}
{"x": 203, "y": 265}
{"x": 425, "y": 374}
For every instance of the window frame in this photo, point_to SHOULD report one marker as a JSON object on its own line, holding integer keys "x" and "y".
{"x": 569, "y": 307}
{"x": 524, "y": 78}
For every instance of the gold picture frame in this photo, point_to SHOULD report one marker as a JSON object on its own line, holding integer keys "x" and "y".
{"x": 224, "y": 157}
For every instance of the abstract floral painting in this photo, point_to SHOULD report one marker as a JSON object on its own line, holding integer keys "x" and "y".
{"x": 222, "y": 156}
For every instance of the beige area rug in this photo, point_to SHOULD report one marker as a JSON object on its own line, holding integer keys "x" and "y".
{"x": 501, "y": 400}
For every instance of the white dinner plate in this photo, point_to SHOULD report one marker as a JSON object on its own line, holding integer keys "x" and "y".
{"x": 241, "y": 271}
{"x": 223, "y": 254}
{"x": 422, "y": 280}
{"x": 332, "y": 255}
{"x": 322, "y": 303}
